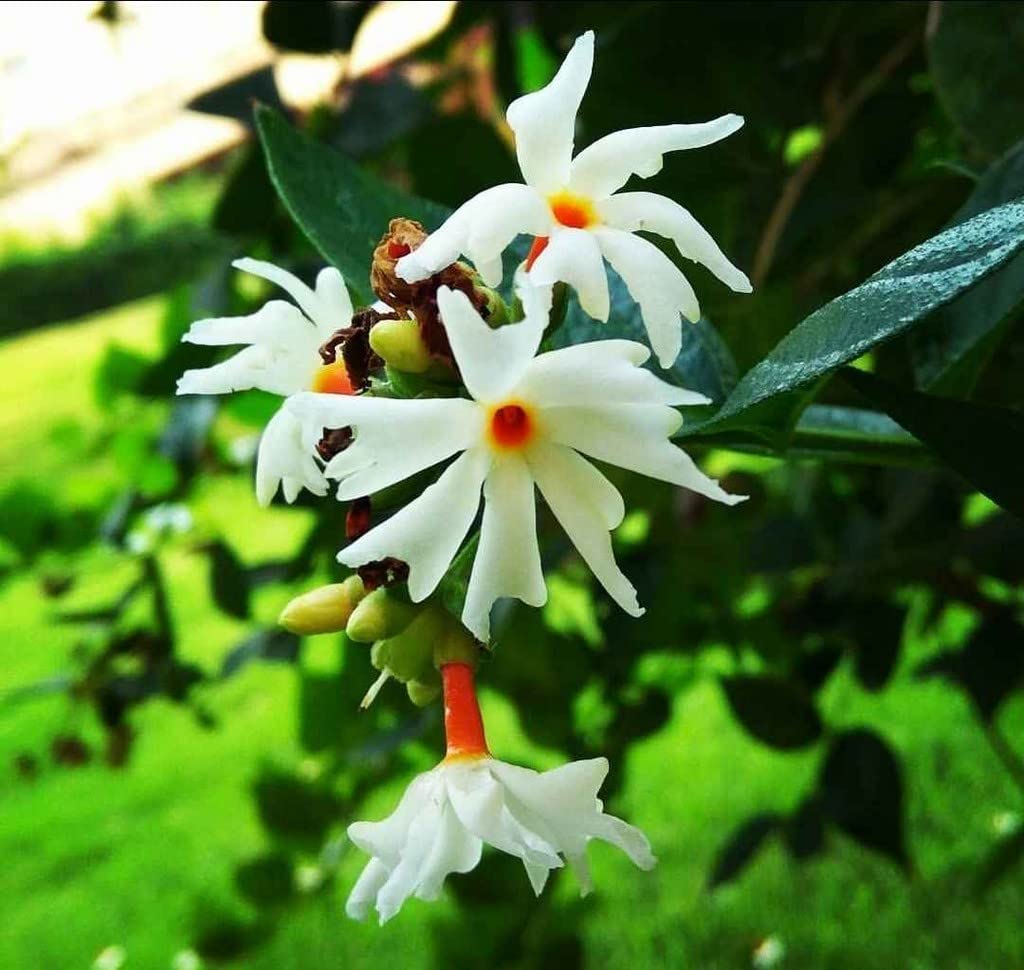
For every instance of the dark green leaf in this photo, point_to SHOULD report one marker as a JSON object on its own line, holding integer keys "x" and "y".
{"x": 267, "y": 880}
{"x": 341, "y": 208}
{"x": 229, "y": 581}
{"x": 273, "y": 645}
{"x": 976, "y": 51}
{"x": 973, "y": 439}
{"x": 235, "y": 99}
{"x": 950, "y": 349}
{"x": 775, "y": 711}
{"x": 989, "y": 668}
{"x": 1006, "y": 856}
{"x": 739, "y": 851}
{"x": 861, "y": 788}
{"x": 312, "y": 26}
{"x": 452, "y": 588}
{"x": 804, "y": 830}
{"x": 877, "y": 631}
{"x": 889, "y": 303}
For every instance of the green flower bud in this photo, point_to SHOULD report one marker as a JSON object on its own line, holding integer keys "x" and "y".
{"x": 323, "y": 610}
{"x": 422, "y": 693}
{"x": 400, "y": 344}
{"x": 378, "y": 617}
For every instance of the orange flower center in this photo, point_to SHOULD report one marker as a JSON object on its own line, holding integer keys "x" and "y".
{"x": 332, "y": 379}
{"x": 511, "y": 426}
{"x": 574, "y": 211}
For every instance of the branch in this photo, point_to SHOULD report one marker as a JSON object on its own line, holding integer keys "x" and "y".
{"x": 838, "y": 118}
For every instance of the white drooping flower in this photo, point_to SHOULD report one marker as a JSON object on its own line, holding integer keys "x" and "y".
{"x": 570, "y": 205}
{"x": 447, "y": 814}
{"x": 282, "y": 358}
{"x": 529, "y": 422}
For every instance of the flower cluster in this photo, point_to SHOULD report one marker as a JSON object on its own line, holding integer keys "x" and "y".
{"x": 442, "y": 394}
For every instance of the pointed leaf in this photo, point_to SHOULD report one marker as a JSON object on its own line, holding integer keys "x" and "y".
{"x": 950, "y": 349}
{"x": 887, "y": 304}
{"x": 775, "y": 711}
{"x": 343, "y": 209}
{"x": 861, "y": 787}
{"x": 975, "y": 440}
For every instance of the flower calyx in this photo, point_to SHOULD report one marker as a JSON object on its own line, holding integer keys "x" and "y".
{"x": 419, "y": 299}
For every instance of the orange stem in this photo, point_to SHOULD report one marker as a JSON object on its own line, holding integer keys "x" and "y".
{"x": 463, "y": 725}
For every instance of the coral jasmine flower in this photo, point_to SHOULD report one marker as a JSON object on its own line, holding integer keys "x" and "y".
{"x": 529, "y": 422}
{"x": 282, "y": 358}
{"x": 470, "y": 798}
{"x": 570, "y": 206}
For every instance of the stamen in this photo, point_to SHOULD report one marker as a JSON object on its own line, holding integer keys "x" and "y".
{"x": 511, "y": 426}
{"x": 371, "y": 695}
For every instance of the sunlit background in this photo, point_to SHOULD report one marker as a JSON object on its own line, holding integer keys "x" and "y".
{"x": 176, "y": 773}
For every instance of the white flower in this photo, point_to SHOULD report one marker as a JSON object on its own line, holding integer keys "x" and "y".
{"x": 447, "y": 814}
{"x": 569, "y": 205}
{"x": 528, "y": 422}
{"x": 282, "y": 358}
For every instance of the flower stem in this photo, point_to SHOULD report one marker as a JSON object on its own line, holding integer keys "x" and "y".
{"x": 463, "y": 725}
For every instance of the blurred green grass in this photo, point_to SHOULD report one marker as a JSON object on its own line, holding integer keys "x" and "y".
{"x": 141, "y": 857}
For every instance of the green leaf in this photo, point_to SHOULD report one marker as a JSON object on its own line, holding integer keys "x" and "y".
{"x": 861, "y": 788}
{"x": 976, "y": 53}
{"x": 739, "y": 851}
{"x": 775, "y": 711}
{"x": 949, "y": 351}
{"x": 343, "y": 209}
{"x": 705, "y": 364}
{"x": 980, "y": 441}
{"x": 452, "y": 588}
{"x": 884, "y": 306}
{"x": 229, "y": 582}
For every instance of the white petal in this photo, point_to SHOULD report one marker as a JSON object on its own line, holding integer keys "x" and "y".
{"x": 455, "y": 850}
{"x": 429, "y": 530}
{"x": 364, "y": 892}
{"x": 481, "y": 229}
{"x": 385, "y": 839}
{"x": 281, "y": 360}
{"x": 578, "y": 495}
{"x": 275, "y": 323}
{"x": 602, "y": 371}
{"x": 562, "y": 795}
{"x": 605, "y": 166}
{"x": 393, "y": 438}
{"x": 478, "y": 800}
{"x": 285, "y": 458}
{"x": 491, "y": 359}
{"x": 574, "y": 257}
{"x": 633, "y": 436}
{"x": 334, "y": 305}
{"x": 507, "y": 562}
{"x": 627, "y": 837}
{"x": 656, "y": 283}
{"x": 288, "y": 282}
{"x": 423, "y": 832}
{"x": 649, "y": 212}
{"x": 544, "y": 121}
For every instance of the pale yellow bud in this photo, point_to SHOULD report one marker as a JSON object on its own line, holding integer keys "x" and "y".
{"x": 323, "y": 610}
{"x": 400, "y": 344}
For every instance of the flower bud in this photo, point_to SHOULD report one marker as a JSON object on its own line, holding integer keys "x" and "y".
{"x": 379, "y": 616}
{"x": 323, "y": 610}
{"x": 400, "y": 344}
{"x": 422, "y": 693}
